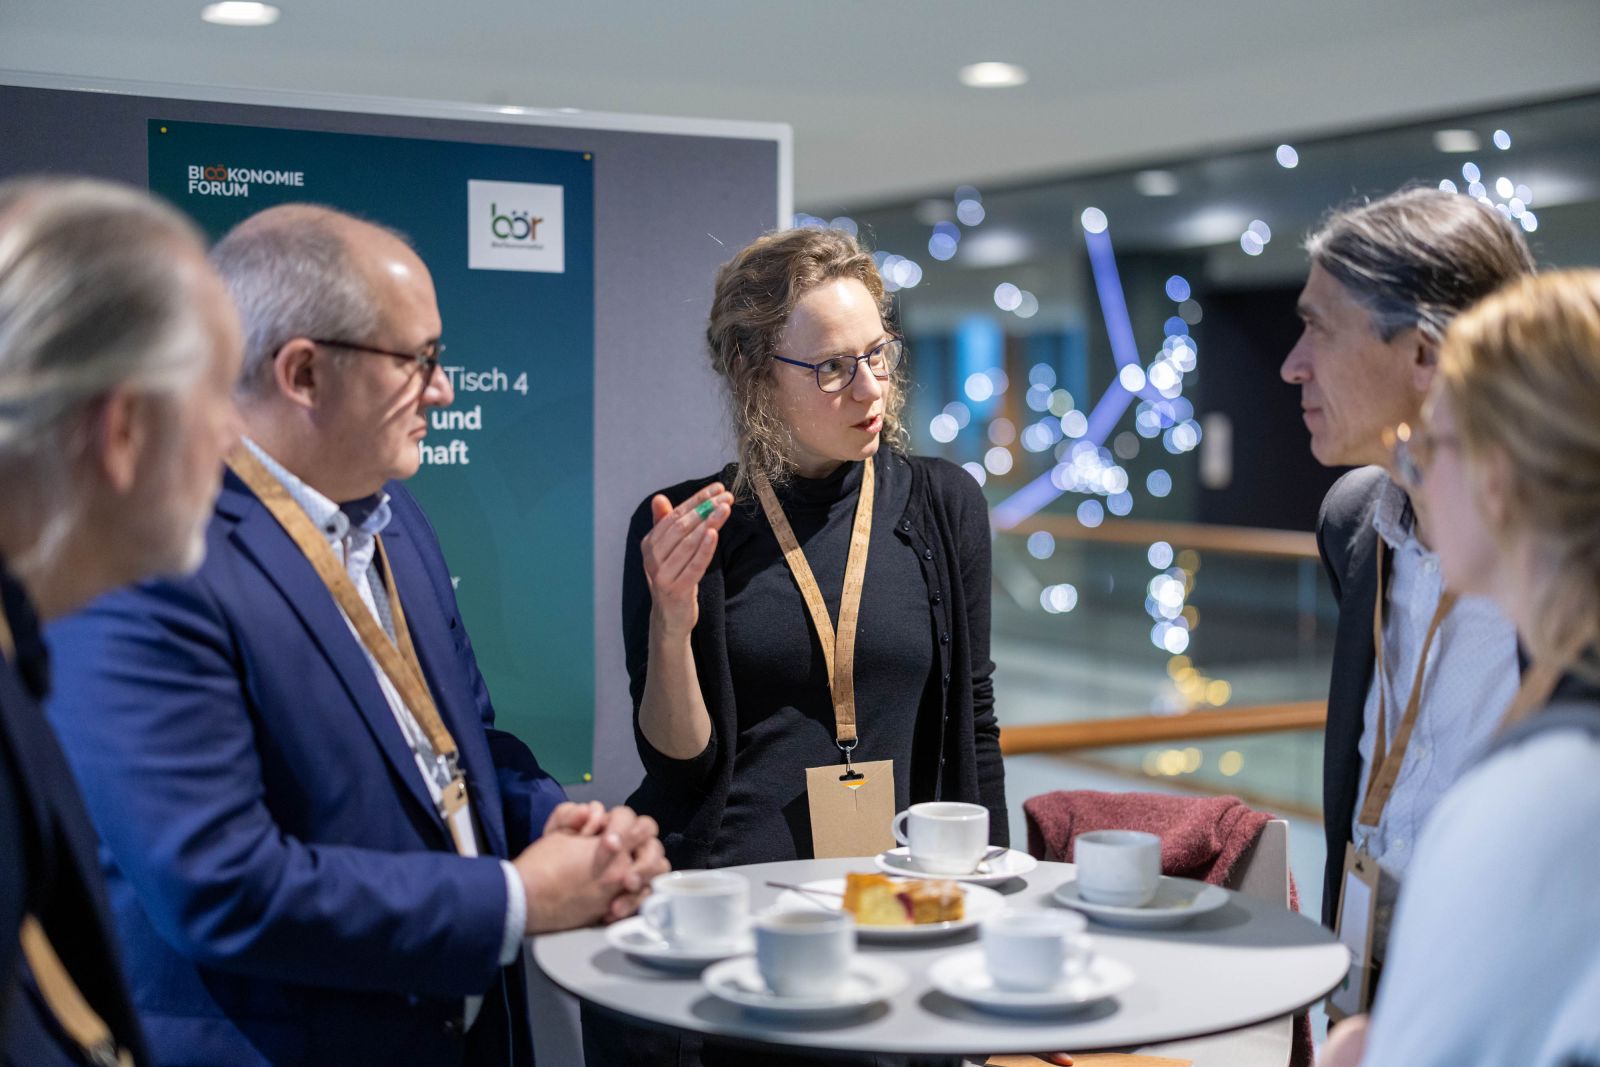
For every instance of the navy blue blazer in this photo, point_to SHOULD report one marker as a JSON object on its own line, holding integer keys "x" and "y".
{"x": 284, "y": 887}
{"x": 48, "y": 867}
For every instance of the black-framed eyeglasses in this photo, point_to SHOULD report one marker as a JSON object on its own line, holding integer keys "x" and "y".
{"x": 1414, "y": 450}
{"x": 835, "y": 373}
{"x": 426, "y": 361}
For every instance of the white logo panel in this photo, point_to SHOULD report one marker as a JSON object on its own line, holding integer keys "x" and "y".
{"x": 515, "y": 226}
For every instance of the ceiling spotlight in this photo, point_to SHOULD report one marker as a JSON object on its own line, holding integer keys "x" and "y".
{"x": 1456, "y": 141}
{"x": 992, "y": 75}
{"x": 1287, "y": 157}
{"x": 239, "y": 13}
{"x": 1156, "y": 183}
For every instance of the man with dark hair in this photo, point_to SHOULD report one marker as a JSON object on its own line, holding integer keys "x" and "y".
{"x": 1408, "y": 711}
{"x": 321, "y": 850}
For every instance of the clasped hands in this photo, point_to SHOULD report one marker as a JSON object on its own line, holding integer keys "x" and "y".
{"x": 591, "y": 865}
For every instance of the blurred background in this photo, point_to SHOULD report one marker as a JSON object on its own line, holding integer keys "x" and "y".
{"x": 1101, "y": 353}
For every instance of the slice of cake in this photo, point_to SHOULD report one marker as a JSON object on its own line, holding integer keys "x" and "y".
{"x": 877, "y": 900}
{"x": 935, "y": 901}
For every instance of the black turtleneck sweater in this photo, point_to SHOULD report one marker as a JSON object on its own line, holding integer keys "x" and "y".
{"x": 785, "y": 708}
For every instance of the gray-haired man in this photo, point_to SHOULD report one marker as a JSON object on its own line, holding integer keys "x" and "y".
{"x": 1386, "y": 279}
{"x": 118, "y": 352}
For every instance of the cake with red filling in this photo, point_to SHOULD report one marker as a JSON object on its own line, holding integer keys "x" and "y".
{"x": 877, "y": 900}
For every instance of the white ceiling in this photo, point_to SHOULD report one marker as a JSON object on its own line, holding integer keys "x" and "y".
{"x": 870, "y": 85}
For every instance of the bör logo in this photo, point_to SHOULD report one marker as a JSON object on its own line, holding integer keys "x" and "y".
{"x": 515, "y": 226}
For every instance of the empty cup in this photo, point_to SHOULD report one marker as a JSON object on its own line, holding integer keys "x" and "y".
{"x": 944, "y": 837}
{"x": 804, "y": 953}
{"x": 1118, "y": 867}
{"x": 691, "y": 908}
{"x": 1031, "y": 951}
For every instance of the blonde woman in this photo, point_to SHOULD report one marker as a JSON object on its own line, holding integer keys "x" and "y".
{"x": 730, "y": 681}
{"x": 1495, "y": 956}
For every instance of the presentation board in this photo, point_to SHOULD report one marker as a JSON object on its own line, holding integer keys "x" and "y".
{"x": 573, "y": 257}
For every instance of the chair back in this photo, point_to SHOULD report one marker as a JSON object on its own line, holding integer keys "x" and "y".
{"x": 1263, "y": 872}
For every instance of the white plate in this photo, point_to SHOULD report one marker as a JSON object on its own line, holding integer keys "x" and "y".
{"x": 640, "y": 940}
{"x": 1004, "y": 867}
{"x": 980, "y": 904}
{"x": 866, "y": 981}
{"x": 1177, "y": 900}
{"x": 965, "y": 976}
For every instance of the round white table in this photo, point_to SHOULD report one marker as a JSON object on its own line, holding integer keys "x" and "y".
{"x": 1244, "y": 963}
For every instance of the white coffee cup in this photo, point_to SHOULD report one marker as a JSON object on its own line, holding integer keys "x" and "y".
{"x": 1029, "y": 951}
{"x": 944, "y": 837}
{"x": 689, "y": 908}
{"x": 1118, "y": 867}
{"x": 804, "y": 953}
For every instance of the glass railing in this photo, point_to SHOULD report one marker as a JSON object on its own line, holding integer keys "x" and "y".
{"x": 1187, "y": 655}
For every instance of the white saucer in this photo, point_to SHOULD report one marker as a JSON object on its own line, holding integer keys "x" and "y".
{"x": 1177, "y": 900}
{"x": 866, "y": 981}
{"x": 640, "y": 940}
{"x": 1004, "y": 867}
{"x": 965, "y": 976}
{"x": 980, "y": 903}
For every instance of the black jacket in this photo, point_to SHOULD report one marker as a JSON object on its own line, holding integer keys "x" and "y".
{"x": 1348, "y": 542}
{"x": 48, "y": 866}
{"x": 946, "y": 523}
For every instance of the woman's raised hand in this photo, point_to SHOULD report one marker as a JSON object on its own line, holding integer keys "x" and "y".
{"x": 677, "y": 551}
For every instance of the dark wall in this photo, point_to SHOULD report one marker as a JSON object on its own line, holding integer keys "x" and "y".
{"x": 1276, "y": 483}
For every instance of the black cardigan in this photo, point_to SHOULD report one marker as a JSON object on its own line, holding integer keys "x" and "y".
{"x": 946, "y": 523}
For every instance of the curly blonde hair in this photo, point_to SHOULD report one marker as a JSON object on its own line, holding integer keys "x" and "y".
{"x": 756, "y": 291}
{"x": 1521, "y": 371}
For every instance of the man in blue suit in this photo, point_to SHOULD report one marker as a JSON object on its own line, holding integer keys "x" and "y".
{"x": 320, "y": 850}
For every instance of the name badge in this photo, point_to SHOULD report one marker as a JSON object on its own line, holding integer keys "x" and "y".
{"x": 851, "y": 814}
{"x": 1358, "y": 911}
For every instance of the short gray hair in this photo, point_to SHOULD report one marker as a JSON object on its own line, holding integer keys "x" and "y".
{"x": 89, "y": 301}
{"x": 1419, "y": 257}
{"x": 291, "y": 274}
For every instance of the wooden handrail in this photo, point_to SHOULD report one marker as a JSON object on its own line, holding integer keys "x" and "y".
{"x": 1160, "y": 729}
{"x": 1240, "y": 540}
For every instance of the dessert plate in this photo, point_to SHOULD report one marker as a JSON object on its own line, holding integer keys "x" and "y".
{"x": 866, "y": 981}
{"x": 1177, "y": 900}
{"x": 639, "y": 939}
{"x": 828, "y": 895}
{"x": 965, "y": 976}
{"x": 1004, "y": 867}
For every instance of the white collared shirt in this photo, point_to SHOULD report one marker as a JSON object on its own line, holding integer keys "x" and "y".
{"x": 355, "y": 546}
{"x": 1469, "y": 681}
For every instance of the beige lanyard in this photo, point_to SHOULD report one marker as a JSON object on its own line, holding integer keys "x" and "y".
{"x": 81, "y": 1023}
{"x": 838, "y": 649}
{"x": 1386, "y": 764}
{"x": 397, "y": 659}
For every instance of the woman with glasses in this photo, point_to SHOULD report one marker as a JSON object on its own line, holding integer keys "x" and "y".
{"x": 1495, "y": 953}
{"x": 739, "y": 684}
